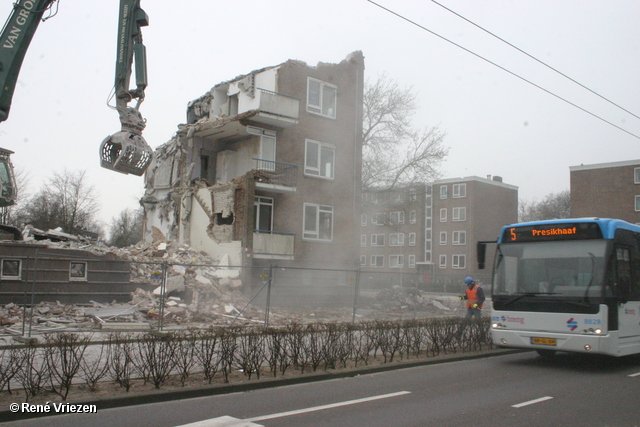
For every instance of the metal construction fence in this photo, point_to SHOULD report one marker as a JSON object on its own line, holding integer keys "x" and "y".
{"x": 85, "y": 294}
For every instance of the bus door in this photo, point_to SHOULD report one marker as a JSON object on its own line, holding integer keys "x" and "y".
{"x": 628, "y": 296}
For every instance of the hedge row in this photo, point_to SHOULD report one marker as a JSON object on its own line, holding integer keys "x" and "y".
{"x": 67, "y": 358}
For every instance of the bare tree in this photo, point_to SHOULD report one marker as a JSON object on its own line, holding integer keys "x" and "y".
{"x": 66, "y": 201}
{"x": 394, "y": 152}
{"x": 126, "y": 228}
{"x": 553, "y": 206}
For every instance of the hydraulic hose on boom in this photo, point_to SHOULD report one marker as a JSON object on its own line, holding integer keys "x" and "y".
{"x": 127, "y": 151}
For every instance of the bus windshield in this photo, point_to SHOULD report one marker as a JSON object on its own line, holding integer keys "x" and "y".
{"x": 557, "y": 269}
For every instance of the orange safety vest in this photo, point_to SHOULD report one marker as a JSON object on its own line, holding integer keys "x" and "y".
{"x": 472, "y": 296}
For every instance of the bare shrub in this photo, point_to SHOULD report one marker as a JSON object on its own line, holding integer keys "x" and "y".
{"x": 9, "y": 366}
{"x": 295, "y": 337}
{"x": 63, "y": 354}
{"x": 33, "y": 373}
{"x": 277, "y": 350}
{"x": 250, "y": 352}
{"x": 121, "y": 367}
{"x": 228, "y": 347}
{"x": 206, "y": 352}
{"x": 184, "y": 355}
{"x": 156, "y": 352}
{"x": 95, "y": 367}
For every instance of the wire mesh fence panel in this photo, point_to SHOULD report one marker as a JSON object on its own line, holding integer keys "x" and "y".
{"x": 58, "y": 295}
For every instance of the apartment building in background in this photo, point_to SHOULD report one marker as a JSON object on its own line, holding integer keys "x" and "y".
{"x": 267, "y": 169}
{"x": 606, "y": 190}
{"x": 427, "y": 233}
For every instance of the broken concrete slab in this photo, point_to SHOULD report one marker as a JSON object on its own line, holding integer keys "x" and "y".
{"x": 174, "y": 284}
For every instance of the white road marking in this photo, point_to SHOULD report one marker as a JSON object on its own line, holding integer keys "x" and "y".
{"x": 227, "y": 421}
{"x": 532, "y": 402}
{"x": 329, "y": 406}
{"x": 637, "y": 374}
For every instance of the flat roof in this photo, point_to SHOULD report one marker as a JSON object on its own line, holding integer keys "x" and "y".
{"x": 605, "y": 165}
{"x": 477, "y": 179}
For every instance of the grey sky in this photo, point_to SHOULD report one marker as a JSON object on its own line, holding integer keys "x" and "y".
{"x": 495, "y": 123}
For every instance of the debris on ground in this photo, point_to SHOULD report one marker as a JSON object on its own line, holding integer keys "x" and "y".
{"x": 198, "y": 291}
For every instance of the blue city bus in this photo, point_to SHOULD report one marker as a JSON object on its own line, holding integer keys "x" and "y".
{"x": 567, "y": 285}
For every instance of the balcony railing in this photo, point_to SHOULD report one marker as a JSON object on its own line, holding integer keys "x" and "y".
{"x": 281, "y": 108}
{"x": 276, "y": 173}
{"x": 273, "y": 245}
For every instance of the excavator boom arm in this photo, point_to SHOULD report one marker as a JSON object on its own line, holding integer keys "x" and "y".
{"x": 14, "y": 42}
{"x": 127, "y": 151}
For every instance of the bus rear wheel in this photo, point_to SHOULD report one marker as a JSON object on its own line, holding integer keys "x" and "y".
{"x": 546, "y": 354}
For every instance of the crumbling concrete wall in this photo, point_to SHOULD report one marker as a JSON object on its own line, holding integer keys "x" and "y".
{"x": 209, "y": 225}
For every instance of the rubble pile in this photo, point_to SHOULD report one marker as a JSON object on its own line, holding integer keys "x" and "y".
{"x": 197, "y": 288}
{"x": 400, "y": 299}
{"x": 179, "y": 285}
{"x": 47, "y": 317}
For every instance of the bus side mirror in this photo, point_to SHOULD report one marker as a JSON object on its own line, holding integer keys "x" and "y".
{"x": 481, "y": 250}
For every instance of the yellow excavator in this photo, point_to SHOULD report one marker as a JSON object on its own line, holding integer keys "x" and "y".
{"x": 125, "y": 151}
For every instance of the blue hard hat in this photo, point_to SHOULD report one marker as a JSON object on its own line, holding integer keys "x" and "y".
{"x": 468, "y": 280}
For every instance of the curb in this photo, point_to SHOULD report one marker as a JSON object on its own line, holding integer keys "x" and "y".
{"x": 157, "y": 396}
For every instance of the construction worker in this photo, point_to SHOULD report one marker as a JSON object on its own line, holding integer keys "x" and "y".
{"x": 474, "y": 297}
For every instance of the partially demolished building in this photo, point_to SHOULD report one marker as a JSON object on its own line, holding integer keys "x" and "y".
{"x": 267, "y": 169}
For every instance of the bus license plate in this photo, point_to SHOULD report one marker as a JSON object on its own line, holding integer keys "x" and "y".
{"x": 543, "y": 341}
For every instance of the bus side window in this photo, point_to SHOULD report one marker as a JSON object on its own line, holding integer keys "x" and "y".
{"x": 635, "y": 277}
{"x": 623, "y": 273}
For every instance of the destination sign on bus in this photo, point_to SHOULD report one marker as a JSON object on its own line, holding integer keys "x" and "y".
{"x": 549, "y": 232}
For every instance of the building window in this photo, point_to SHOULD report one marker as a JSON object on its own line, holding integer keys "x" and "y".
{"x": 11, "y": 269}
{"x": 363, "y": 240}
{"x": 413, "y": 195}
{"x": 412, "y": 261}
{"x": 459, "y": 214}
{"x": 459, "y": 261}
{"x": 459, "y": 191}
{"x": 377, "y": 260}
{"x": 443, "y": 261}
{"x": 636, "y": 175}
{"x": 412, "y": 217}
{"x": 377, "y": 240}
{"x": 396, "y": 197}
{"x": 443, "y": 191}
{"x": 412, "y": 239}
{"x": 396, "y": 239}
{"x": 363, "y": 220}
{"x": 319, "y": 159}
{"x": 268, "y": 150}
{"x": 363, "y": 260}
{"x": 317, "y": 222}
{"x": 443, "y": 215}
{"x": 459, "y": 238}
{"x": 378, "y": 218}
{"x": 637, "y": 203}
{"x": 263, "y": 214}
{"x": 443, "y": 237}
{"x": 396, "y": 261}
{"x": 397, "y": 217}
{"x": 321, "y": 98}
{"x": 78, "y": 271}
